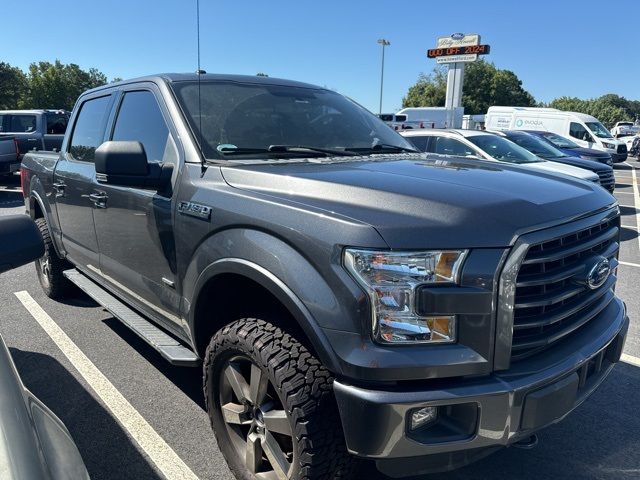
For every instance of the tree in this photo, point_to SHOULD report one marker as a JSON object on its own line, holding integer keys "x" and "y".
{"x": 609, "y": 108}
{"x": 484, "y": 85}
{"x": 13, "y": 86}
{"x": 56, "y": 85}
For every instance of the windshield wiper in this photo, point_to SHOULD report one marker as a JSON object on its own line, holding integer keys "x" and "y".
{"x": 280, "y": 149}
{"x": 386, "y": 147}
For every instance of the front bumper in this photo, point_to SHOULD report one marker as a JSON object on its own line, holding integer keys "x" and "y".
{"x": 479, "y": 415}
{"x": 619, "y": 157}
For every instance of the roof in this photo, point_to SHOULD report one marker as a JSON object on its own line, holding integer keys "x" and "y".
{"x": 33, "y": 111}
{"x": 417, "y": 132}
{"x": 210, "y": 77}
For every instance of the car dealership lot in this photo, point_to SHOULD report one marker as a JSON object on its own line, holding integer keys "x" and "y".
{"x": 599, "y": 440}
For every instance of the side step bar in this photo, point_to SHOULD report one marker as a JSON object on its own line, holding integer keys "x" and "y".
{"x": 170, "y": 348}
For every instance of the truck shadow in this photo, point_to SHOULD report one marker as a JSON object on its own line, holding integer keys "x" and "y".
{"x": 106, "y": 449}
{"x": 187, "y": 379}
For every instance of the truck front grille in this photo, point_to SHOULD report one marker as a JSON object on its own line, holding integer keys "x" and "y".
{"x": 607, "y": 179}
{"x": 622, "y": 148}
{"x": 552, "y": 299}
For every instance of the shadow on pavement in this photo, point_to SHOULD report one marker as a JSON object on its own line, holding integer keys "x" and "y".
{"x": 628, "y": 234}
{"x": 105, "y": 448}
{"x": 187, "y": 379}
{"x": 627, "y": 211}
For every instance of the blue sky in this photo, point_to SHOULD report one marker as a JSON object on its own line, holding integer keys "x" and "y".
{"x": 576, "y": 48}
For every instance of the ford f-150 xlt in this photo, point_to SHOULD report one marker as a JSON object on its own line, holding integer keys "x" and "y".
{"x": 347, "y": 297}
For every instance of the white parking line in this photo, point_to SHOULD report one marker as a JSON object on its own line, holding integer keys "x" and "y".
{"x": 629, "y": 264}
{"x": 636, "y": 201}
{"x": 161, "y": 454}
{"x": 630, "y": 359}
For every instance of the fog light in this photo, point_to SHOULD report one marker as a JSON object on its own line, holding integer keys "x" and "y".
{"x": 423, "y": 416}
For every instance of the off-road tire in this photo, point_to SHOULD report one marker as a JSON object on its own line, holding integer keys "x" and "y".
{"x": 50, "y": 266}
{"x": 304, "y": 388}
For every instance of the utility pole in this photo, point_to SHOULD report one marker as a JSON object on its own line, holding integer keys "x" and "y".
{"x": 384, "y": 43}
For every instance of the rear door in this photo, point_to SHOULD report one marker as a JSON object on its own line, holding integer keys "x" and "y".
{"x": 73, "y": 181}
{"x": 24, "y": 126}
{"x": 134, "y": 226}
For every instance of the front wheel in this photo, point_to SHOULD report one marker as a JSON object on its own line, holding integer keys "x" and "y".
{"x": 271, "y": 406}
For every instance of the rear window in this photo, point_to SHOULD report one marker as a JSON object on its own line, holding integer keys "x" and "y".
{"x": 56, "y": 123}
{"x": 21, "y": 124}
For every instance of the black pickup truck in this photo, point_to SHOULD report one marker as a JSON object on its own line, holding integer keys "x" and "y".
{"x": 34, "y": 129}
{"x": 346, "y": 297}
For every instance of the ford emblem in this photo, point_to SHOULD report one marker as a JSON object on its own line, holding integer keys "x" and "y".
{"x": 598, "y": 273}
{"x": 457, "y": 36}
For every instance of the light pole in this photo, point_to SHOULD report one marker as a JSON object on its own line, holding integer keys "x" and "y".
{"x": 384, "y": 43}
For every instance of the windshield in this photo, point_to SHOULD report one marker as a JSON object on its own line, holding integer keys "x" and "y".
{"x": 598, "y": 129}
{"x": 560, "y": 141}
{"x": 240, "y": 120}
{"x": 536, "y": 146}
{"x": 502, "y": 149}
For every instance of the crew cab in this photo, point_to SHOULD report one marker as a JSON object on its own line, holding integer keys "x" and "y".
{"x": 34, "y": 129}
{"x": 345, "y": 296}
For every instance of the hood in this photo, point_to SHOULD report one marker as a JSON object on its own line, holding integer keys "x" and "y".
{"x": 586, "y": 152}
{"x": 555, "y": 167}
{"x": 594, "y": 166}
{"x": 416, "y": 202}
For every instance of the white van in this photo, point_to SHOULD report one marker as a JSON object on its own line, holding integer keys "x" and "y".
{"x": 585, "y": 130}
{"x": 432, "y": 117}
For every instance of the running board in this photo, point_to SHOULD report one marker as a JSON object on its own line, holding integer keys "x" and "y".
{"x": 170, "y": 348}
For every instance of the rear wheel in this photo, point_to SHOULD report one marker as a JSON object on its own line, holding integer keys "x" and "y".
{"x": 50, "y": 266}
{"x": 271, "y": 406}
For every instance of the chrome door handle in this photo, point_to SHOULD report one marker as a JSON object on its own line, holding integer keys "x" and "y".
{"x": 59, "y": 188}
{"x": 99, "y": 199}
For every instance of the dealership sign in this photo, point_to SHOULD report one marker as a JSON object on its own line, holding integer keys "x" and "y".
{"x": 458, "y": 47}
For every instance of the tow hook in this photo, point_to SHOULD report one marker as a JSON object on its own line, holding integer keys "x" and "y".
{"x": 527, "y": 443}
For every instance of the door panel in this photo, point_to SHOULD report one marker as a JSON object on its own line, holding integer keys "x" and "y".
{"x": 135, "y": 229}
{"x": 73, "y": 180}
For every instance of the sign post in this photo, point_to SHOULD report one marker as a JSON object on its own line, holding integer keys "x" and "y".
{"x": 456, "y": 50}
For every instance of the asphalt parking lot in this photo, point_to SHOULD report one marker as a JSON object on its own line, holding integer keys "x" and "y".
{"x": 600, "y": 440}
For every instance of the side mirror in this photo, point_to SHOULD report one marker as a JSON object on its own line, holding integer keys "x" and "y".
{"x": 20, "y": 242}
{"x": 125, "y": 163}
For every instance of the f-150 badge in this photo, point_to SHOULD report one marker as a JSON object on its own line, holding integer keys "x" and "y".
{"x": 195, "y": 210}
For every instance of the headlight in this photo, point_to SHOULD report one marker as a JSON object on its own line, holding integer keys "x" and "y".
{"x": 391, "y": 279}
{"x": 608, "y": 145}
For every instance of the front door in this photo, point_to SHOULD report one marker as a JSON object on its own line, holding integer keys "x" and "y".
{"x": 134, "y": 226}
{"x": 73, "y": 179}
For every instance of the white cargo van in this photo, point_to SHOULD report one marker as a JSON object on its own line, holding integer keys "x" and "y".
{"x": 585, "y": 130}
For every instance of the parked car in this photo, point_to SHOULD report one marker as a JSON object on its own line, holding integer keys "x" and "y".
{"x": 9, "y": 155}
{"x": 35, "y": 444}
{"x": 34, "y": 129}
{"x": 542, "y": 149}
{"x": 488, "y": 146}
{"x": 569, "y": 147}
{"x": 619, "y": 127}
{"x": 585, "y": 130}
{"x": 345, "y": 295}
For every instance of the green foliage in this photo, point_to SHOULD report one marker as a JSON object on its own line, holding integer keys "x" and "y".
{"x": 56, "y": 85}
{"x": 46, "y": 85}
{"x": 609, "y": 108}
{"x": 484, "y": 85}
{"x": 13, "y": 84}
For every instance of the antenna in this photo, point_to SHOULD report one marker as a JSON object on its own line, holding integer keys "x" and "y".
{"x": 199, "y": 72}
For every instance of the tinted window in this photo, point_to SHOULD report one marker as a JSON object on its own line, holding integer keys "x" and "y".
{"x": 559, "y": 141}
{"x": 502, "y": 149}
{"x": 3, "y": 120}
{"x": 536, "y": 146}
{"x": 578, "y": 131}
{"x": 22, "y": 123}
{"x": 450, "y": 146}
{"x": 56, "y": 123}
{"x": 139, "y": 119}
{"x": 88, "y": 131}
{"x": 419, "y": 142}
{"x": 231, "y": 116}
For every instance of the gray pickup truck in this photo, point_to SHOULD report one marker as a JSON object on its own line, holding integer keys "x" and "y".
{"x": 346, "y": 297}
{"x": 35, "y": 129}
{"x": 9, "y": 155}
